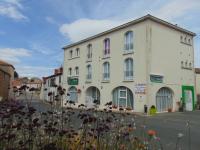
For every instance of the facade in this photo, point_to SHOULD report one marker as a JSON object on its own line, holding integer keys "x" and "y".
{"x": 34, "y": 83}
{"x": 6, "y": 77}
{"x": 49, "y": 83}
{"x": 147, "y": 61}
{"x": 197, "y": 78}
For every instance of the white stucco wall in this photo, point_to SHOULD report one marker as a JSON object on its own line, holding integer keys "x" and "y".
{"x": 157, "y": 50}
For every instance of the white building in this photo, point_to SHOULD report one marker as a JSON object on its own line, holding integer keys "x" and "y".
{"x": 147, "y": 61}
{"x": 50, "y": 84}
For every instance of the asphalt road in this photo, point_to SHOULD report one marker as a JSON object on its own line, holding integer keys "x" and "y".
{"x": 167, "y": 126}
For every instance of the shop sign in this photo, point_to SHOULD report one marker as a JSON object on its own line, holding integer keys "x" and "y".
{"x": 72, "y": 81}
{"x": 140, "y": 89}
{"x": 156, "y": 78}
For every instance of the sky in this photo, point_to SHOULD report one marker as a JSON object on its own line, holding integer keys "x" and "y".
{"x": 33, "y": 32}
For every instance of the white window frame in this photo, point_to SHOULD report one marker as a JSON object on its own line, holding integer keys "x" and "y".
{"x": 70, "y": 72}
{"x": 71, "y": 54}
{"x": 128, "y": 41}
{"x": 130, "y": 68}
{"x": 122, "y": 97}
{"x": 106, "y": 69}
{"x": 77, "y": 71}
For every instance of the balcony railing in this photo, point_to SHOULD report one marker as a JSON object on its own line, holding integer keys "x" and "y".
{"x": 128, "y": 75}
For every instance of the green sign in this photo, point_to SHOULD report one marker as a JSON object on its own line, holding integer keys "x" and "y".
{"x": 72, "y": 81}
{"x": 156, "y": 78}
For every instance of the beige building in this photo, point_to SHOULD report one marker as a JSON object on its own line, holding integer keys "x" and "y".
{"x": 6, "y": 77}
{"x": 147, "y": 61}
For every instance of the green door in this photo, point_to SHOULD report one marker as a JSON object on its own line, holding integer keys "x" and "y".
{"x": 188, "y": 97}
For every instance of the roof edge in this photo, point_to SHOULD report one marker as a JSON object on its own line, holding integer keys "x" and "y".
{"x": 148, "y": 16}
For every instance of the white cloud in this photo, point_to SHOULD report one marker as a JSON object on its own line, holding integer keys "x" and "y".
{"x": 12, "y": 9}
{"x": 13, "y": 55}
{"x": 177, "y": 8}
{"x": 37, "y": 47}
{"x": 34, "y": 71}
{"x": 168, "y": 10}
{"x": 84, "y": 28}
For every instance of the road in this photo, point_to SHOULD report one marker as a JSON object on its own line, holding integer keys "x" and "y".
{"x": 167, "y": 126}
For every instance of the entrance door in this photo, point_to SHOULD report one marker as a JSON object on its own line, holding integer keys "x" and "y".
{"x": 188, "y": 100}
{"x": 164, "y": 100}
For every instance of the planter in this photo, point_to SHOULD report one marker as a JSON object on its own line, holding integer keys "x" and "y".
{"x": 169, "y": 110}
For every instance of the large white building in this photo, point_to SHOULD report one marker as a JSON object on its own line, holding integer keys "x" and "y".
{"x": 147, "y": 61}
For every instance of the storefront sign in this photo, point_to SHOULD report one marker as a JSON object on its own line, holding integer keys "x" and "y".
{"x": 140, "y": 89}
{"x": 72, "y": 81}
{"x": 156, "y": 78}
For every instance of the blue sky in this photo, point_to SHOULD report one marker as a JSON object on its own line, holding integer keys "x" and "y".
{"x": 32, "y": 32}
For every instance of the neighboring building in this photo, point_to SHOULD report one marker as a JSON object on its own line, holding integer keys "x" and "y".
{"x": 34, "y": 83}
{"x": 6, "y": 77}
{"x": 147, "y": 61}
{"x": 49, "y": 83}
{"x": 197, "y": 78}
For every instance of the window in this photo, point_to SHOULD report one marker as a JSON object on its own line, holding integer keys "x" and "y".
{"x": 181, "y": 38}
{"x": 73, "y": 96}
{"x": 106, "y": 71}
{"x": 77, "y": 52}
{"x": 59, "y": 79}
{"x": 106, "y": 47}
{"x": 70, "y": 54}
{"x": 76, "y": 71}
{"x": 190, "y": 64}
{"x": 185, "y": 40}
{"x": 70, "y": 71}
{"x": 181, "y": 63}
{"x": 128, "y": 45}
{"x": 189, "y": 42}
{"x": 123, "y": 97}
{"x": 89, "y": 72}
{"x": 89, "y": 53}
{"x": 128, "y": 70}
{"x": 52, "y": 82}
{"x": 186, "y": 64}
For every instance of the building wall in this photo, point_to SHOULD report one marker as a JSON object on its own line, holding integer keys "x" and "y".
{"x": 197, "y": 83}
{"x": 46, "y": 88}
{"x": 157, "y": 50}
{"x": 116, "y": 61}
{"x": 165, "y": 56}
{"x": 4, "y": 85}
